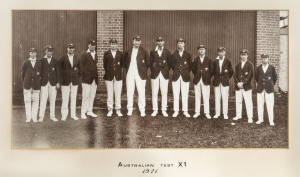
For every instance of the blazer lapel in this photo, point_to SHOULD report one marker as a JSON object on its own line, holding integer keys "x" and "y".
{"x": 110, "y": 54}
{"x": 223, "y": 64}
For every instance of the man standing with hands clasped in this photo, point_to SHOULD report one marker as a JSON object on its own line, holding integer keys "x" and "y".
{"x": 160, "y": 64}
{"x": 49, "y": 83}
{"x": 222, "y": 74}
{"x": 203, "y": 69}
{"x": 265, "y": 76}
{"x": 136, "y": 63}
{"x": 88, "y": 68}
{"x": 181, "y": 65}
{"x": 243, "y": 89}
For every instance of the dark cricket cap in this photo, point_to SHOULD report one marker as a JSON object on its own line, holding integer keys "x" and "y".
{"x": 244, "y": 51}
{"x": 201, "y": 46}
{"x": 92, "y": 42}
{"x": 32, "y": 50}
{"x": 49, "y": 47}
{"x": 71, "y": 45}
{"x": 160, "y": 38}
{"x": 180, "y": 40}
{"x": 220, "y": 49}
{"x": 113, "y": 41}
{"x": 264, "y": 56}
{"x": 137, "y": 37}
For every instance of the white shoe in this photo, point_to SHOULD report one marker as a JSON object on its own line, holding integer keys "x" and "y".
{"x": 63, "y": 118}
{"x": 186, "y": 114}
{"x": 207, "y": 116}
{"x": 216, "y": 116}
{"x": 41, "y": 119}
{"x": 236, "y": 118}
{"x": 109, "y": 113}
{"x": 250, "y": 120}
{"x": 34, "y": 120}
{"x": 83, "y": 116}
{"x": 75, "y": 118}
{"x": 129, "y": 113}
{"x": 165, "y": 114}
{"x": 143, "y": 114}
{"x": 119, "y": 113}
{"x": 53, "y": 119}
{"x": 272, "y": 124}
{"x": 175, "y": 114}
{"x": 258, "y": 122}
{"x": 27, "y": 120}
{"x": 225, "y": 116}
{"x": 91, "y": 114}
{"x": 154, "y": 113}
{"x": 196, "y": 115}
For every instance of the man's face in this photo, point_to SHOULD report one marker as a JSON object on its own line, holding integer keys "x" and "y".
{"x": 265, "y": 60}
{"x": 113, "y": 46}
{"x": 136, "y": 43}
{"x": 49, "y": 53}
{"x": 71, "y": 50}
{"x": 92, "y": 47}
{"x": 244, "y": 56}
{"x": 180, "y": 45}
{"x": 221, "y": 53}
{"x": 160, "y": 43}
{"x": 32, "y": 54}
{"x": 201, "y": 51}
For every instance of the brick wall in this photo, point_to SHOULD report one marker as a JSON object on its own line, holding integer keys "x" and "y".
{"x": 109, "y": 25}
{"x": 268, "y": 39}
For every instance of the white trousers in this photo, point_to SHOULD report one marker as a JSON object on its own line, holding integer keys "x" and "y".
{"x": 114, "y": 87}
{"x": 182, "y": 86}
{"x": 247, "y": 95}
{"x": 31, "y": 96}
{"x": 221, "y": 92}
{"x": 67, "y": 92}
{"x": 159, "y": 83}
{"x": 88, "y": 96}
{"x": 133, "y": 80}
{"x": 48, "y": 91}
{"x": 205, "y": 89}
{"x": 269, "y": 99}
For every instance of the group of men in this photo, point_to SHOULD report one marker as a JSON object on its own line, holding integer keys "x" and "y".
{"x": 47, "y": 75}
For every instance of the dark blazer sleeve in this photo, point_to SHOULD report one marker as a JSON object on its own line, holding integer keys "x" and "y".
{"x": 274, "y": 75}
{"x": 57, "y": 71}
{"x": 151, "y": 58}
{"x": 121, "y": 60}
{"x": 169, "y": 59}
{"x": 250, "y": 74}
{"x": 24, "y": 69}
{"x": 211, "y": 67}
{"x": 256, "y": 74}
{"x": 60, "y": 65}
{"x": 230, "y": 69}
{"x": 235, "y": 76}
{"x": 190, "y": 60}
{"x": 105, "y": 60}
{"x": 147, "y": 58}
{"x": 193, "y": 67}
{"x": 125, "y": 60}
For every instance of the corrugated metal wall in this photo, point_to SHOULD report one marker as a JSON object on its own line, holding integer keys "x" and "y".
{"x": 39, "y": 28}
{"x": 234, "y": 30}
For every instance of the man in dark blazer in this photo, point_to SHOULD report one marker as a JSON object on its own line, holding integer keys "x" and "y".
{"x": 49, "y": 83}
{"x": 136, "y": 63}
{"x": 31, "y": 76}
{"x": 265, "y": 76}
{"x": 203, "y": 70}
{"x": 69, "y": 77}
{"x": 181, "y": 65}
{"x": 113, "y": 63}
{"x": 160, "y": 64}
{"x": 243, "y": 89}
{"x": 89, "y": 77}
{"x": 222, "y": 74}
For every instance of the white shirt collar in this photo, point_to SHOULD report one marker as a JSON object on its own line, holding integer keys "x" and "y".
{"x": 88, "y": 51}
{"x": 180, "y": 51}
{"x": 47, "y": 57}
{"x": 156, "y": 49}
{"x": 32, "y": 59}
{"x": 219, "y": 58}
{"x": 265, "y": 66}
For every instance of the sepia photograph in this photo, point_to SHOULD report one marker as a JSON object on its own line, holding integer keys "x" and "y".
{"x": 150, "y": 79}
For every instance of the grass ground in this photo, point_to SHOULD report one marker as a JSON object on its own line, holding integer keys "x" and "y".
{"x": 152, "y": 132}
